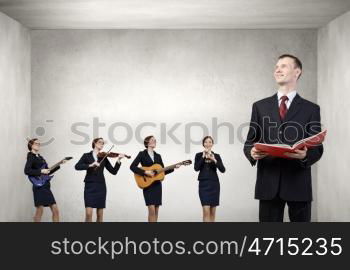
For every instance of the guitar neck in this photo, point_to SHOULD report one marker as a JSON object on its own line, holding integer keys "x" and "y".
{"x": 169, "y": 167}
{"x": 55, "y": 165}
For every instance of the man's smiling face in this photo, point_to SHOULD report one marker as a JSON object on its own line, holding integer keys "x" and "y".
{"x": 286, "y": 71}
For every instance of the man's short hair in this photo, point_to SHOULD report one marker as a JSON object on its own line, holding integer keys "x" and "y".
{"x": 297, "y": 61}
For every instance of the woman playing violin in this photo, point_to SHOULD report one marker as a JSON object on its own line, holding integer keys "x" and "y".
{"x": 95, "y": 190}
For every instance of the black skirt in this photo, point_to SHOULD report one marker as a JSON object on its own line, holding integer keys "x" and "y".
{"x": 153, "y": 194}
{"x": 95, "y": 194}
{"x": 43, "y": 195}
{"x": 209, "y": 192}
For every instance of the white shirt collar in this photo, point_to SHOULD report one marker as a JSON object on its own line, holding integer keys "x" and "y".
{"x": 151, "y": 154}
{"x": 290, "y": 95}
{"x": 94, "y": 155}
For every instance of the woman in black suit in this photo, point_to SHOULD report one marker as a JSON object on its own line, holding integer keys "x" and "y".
{"x": 153, "y": 193}
{"x": 43, "y": 196}
{"x": 95, "y": 190}
{"x": 207, "y": 163}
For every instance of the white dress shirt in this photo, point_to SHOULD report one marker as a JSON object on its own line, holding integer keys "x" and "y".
{"x": 151, "y": 154}
{"x": 290, "y": 96}
{"x": 94, "y": 155}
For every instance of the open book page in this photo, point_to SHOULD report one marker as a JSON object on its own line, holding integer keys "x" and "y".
{"x": 311, "y": 141}
{"x": 279, "y": 150}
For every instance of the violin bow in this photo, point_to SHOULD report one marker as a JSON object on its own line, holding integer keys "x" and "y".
{"x": 105, "y": 155}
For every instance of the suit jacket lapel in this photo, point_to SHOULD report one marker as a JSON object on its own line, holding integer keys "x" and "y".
{"x": 91, "y": 157}
{"x": 156, "y": 158}
{"x": 275, "y": 114}
{"x": 149, "y": 158}
{"x": 294, "y": 108}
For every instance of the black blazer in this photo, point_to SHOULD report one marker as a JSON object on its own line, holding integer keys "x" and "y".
{"x": 34, "y": 165}
{"x": 146, "y": 161}
{"x": 208, "y": 171}
{"x": 290, "y": 178}
{"x": 97, "y": 175}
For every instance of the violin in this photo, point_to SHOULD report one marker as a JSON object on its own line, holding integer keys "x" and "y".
{"x": 111, "y": 155}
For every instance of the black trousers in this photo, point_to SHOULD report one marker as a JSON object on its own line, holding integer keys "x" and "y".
{"x": 273, "y": 210}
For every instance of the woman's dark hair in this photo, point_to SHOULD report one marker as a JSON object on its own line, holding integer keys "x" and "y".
{"x": 207, "y": 137}
{"x": 146, "y": 140}
{"x": 30, "y": 143}
{"x": 94, "y": 141}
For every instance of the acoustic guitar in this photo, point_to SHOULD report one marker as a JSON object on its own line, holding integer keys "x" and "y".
{"x": 159, "y": 173}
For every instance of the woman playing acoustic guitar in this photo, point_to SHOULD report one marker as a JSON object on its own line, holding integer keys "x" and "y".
{"x": 153, "y": 193}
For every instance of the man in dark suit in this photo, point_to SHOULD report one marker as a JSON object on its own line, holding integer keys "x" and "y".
{"x": 284, "y": 118}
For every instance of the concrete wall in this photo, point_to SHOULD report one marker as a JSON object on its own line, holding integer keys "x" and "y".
{"x": 333, "y": 97}
{"x": 15, "y": 191}
{"x": 169, "y": 77}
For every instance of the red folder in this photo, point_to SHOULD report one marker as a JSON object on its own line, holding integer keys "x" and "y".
{"x": 278, "y": 150}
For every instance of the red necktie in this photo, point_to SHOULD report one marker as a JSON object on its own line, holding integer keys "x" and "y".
{"x": 283, "y": 107}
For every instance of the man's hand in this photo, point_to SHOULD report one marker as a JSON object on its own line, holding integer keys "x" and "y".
{"x": 256, "y": 154}
{"x": 299, "y": 154}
